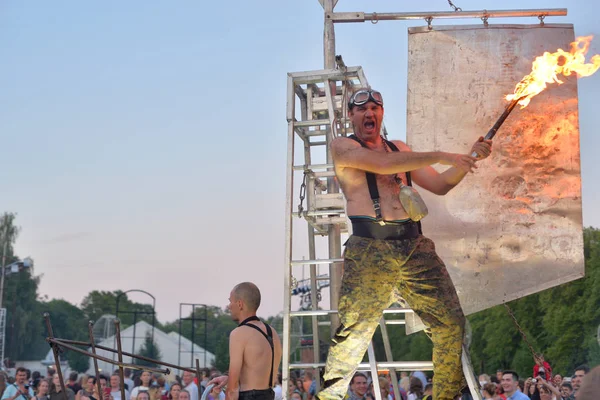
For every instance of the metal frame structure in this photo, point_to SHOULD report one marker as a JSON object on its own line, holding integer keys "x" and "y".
{"x": 193, "y": 319}
{"x": 59, "y": 345}
{"x": 320, "y": 98}
{"x": 136, "y": 312}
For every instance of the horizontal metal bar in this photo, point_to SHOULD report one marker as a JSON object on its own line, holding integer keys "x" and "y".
{"x": 397, "y": 16}
{"x": 311, "y": 122}
{"x": 397, "y": 365}
{"x": 324, "y": 174}
{"x": 318, "y": 261}
{"x": 312, "y": 167}
{"x": 309, "y": 313}
{"x": 395, "y": 322}
{"x": 320, "y": 143}
{"x": 319, "y": 213}
{"x": 320, "y": 76}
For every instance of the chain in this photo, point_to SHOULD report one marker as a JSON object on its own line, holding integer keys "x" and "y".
{"x": 521, "y": 331}
{"x": 456, "y": 9}
{"x": 302, "y": 194}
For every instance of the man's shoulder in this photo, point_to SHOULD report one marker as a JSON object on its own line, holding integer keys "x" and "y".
{"x": 400, "y": 144}
{"x": 9, "y": 391}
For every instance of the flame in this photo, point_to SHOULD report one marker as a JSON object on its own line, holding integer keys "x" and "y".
{"x": 546, "y": 67}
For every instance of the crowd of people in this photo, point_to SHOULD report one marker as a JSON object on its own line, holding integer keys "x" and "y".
{"x": 504, "y": 385}
{"x": 137, "y": 386}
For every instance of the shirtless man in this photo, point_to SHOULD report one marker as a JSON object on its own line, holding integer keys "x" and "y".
{"x": 254, "y": 349}
{"x": 387, "y": 255}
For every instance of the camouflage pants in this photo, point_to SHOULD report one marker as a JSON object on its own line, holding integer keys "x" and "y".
{"x": 376, "y": 272}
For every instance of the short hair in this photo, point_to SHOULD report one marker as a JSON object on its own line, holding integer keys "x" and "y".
{"x": 357, "y": 375}
{"x": 143, "y": 391}
{"x": 249, "y": 293}
{"x": 567, "y": 385}
{"x": 429, "y": 386}
{"x": 73, "y": 376}
{"x": 590, "y": 385}
{"x": 185, "y": 391}
{"x": 102, "y": 377}
{"x": 583, "y": 368}
{"x": 515, "y": 376}
{"x": 21, "y": 369}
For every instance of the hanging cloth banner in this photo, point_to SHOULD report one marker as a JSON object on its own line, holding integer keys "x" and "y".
{"x": 514, "y": 227}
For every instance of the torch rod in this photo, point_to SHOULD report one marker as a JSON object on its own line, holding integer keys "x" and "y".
{"x": 492, "y": 132}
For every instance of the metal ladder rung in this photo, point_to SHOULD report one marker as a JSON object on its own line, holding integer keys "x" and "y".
{"x": 309, "y": 313}
{"x": 318, "y": 261}
{"x": 312, "y": 167}
{"x": 397, "y": 365}
{"x": 319, "y": 213}
{"x": 310, "y": 123}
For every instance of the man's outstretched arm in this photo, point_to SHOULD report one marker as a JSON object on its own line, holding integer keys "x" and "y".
{"x": 236, "y": 359}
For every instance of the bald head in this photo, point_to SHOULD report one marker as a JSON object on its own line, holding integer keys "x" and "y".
{"x": 249, "y": 294}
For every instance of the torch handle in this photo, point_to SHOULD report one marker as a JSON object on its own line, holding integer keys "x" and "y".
{"x": 492, "y": 132}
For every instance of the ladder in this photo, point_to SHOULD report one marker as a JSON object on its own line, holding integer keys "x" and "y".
{"x": 316, "y": 113}
{"x": 2, "y": 334}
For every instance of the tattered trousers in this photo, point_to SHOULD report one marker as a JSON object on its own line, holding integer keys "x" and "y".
{"x": 376, "y": 272}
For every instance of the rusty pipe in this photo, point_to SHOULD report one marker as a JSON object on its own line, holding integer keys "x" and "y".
{"x": 96, "y": 369}
{"x": 56, "y": 355}
{"x": 120, "y": 353}
{"x": 58, "y": 342}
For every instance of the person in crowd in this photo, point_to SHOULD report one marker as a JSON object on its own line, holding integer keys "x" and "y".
{"x": 56, "y": 389}
{"x": 358, "y": 387}
{"x": 415, "y": 392}
{"x": 183, "y": 395}
{"x": 88, "y": 389}
{"x": 489, "y": 391}
{"x": 190, "y": 385}
{"x": 428, "y": 392}
{"x": 145, "y": 379}
{"x": 42, "y": 390}
{"x": 278, "y": 390}
{"x": 566, "y": 391}
{"x": 557, "y": 380}
{"x": 174, "y": 391}
{"x": 143, "y": 395}
{"x": 542, "y": 367}
{"x": 115, "y": 388}
{"x": 128, "y": 382}
{"x": 510, "y": 384}
{"x": 215, "y": 394}
{"x": 580, "y": 373}
{"x": 590, "y": 386}
{"x": 72, "y": 382}
{"x": 19, "y": 390}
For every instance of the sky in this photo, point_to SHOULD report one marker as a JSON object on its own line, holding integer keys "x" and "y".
{"x": 143, "y": 144}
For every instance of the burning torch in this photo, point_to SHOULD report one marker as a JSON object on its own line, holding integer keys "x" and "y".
{"x": 544, "y": 70}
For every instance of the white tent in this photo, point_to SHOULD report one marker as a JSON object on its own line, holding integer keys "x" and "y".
{"x": 168, "y": 344}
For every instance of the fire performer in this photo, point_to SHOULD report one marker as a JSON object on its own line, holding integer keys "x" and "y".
{"x": 387, "y": 256}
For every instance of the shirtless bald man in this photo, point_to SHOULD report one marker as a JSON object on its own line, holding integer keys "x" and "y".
{"x": 254, "y": 349}
{"x": 387, "y": 255}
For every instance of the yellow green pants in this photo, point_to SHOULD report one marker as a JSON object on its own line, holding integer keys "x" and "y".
{"x": 376, "y": 272}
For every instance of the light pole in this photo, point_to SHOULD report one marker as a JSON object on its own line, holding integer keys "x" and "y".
{"x": 4, "y": 246}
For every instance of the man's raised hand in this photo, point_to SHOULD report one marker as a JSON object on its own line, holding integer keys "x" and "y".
{"x": 463, "y": 162}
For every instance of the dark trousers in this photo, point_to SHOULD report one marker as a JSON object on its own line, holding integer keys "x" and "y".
{"x": 265, "y": 394}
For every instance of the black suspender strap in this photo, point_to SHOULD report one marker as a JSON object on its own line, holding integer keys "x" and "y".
{"x": 372, "y": 183}
{"x": 268, "y": 336}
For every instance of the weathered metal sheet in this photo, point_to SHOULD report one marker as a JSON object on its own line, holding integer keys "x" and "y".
{"x": 514, "y": 227}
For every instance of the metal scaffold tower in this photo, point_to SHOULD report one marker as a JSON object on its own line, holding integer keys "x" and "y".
{"x": 316, "y": 113}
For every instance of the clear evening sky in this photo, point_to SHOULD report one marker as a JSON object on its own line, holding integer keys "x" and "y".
{"x": 144, "y": 142}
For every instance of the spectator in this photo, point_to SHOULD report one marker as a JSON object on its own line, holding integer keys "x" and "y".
{"x": 590, "y": 387}
{"x": 415, "y": 392}
{"x": 510, "y": 384}
{"x": 307, "y": 381}
{"x": 489, "y": 391}
{"x": 50, "y": 373}
{"x": 2, "y": 382}
{"x": 580, "y": 372}
{"x": 174, "y": 391}
{"x": 115, "y": 388}
{"x": 296, "y": 395}
{"x": 384, "y": 389}
{"x": 43, "y": 389}
{"x": 428, "y": 392}
{"x": 128, "y": 382}
{"x": 35, "y": 378}
{"x": 143, "y": 395}
{"x": 404, "y": 384}
{"x": 557, "y": 380}
{"x": 88, "y": 390}
{"x": 183, "y": 395}
{"x": 483, "y": 380}
{"x": 358, "y": 387}
{"x": 72, "y": 382}
{"x": 542, "y": 367}
{"x": 190, "y": 385}
{"x": 144, "y": 386}
{"x": 216, "y": 394}
{"x": 56, "y": 389}
{"x": 19, "y": 390}
{"x": 566, "y": 391}
{"x": 278, "y": 389}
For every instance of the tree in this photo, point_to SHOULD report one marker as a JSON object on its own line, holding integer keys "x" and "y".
{"x": 149, "y": 349}
{"x": 98, "y": 303}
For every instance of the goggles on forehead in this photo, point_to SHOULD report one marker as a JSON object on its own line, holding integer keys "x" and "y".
{"x": 364, "y": 96}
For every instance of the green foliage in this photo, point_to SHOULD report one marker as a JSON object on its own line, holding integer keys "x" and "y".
{"x": 149, "y": 349}
{"x": 98, "y": 303}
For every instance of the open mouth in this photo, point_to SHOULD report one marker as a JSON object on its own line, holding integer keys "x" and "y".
{"x": 369, "y": 125}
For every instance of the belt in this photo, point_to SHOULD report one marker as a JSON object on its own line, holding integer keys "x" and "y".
{"x": 365, "y": 227}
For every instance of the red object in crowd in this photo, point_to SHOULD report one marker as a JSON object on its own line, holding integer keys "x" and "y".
{"x": 547, "y": 370}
